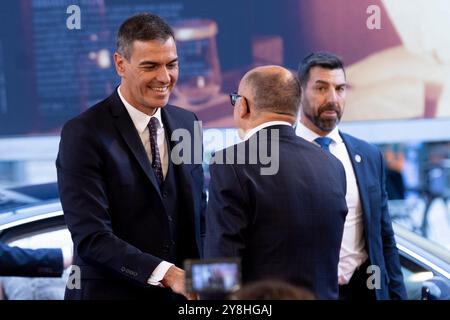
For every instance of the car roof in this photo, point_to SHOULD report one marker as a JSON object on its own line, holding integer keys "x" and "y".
{"x": 29, "y": 214}
{"x": 423, "y": 250}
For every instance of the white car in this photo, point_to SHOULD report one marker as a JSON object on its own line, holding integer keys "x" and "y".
{"x": 36, "y": 220}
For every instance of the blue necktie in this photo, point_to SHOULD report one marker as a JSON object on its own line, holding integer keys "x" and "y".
{"x": 324, "y": 143}
{"x": 156, "y": 158}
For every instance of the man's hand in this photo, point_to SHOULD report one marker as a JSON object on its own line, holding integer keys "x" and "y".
{"x": 175, "y": 280}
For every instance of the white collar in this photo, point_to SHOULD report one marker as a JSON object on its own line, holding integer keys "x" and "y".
{"x": 139, "y": 118}
{"x": 310, "y": 135}
{"x": 265, "y": 125}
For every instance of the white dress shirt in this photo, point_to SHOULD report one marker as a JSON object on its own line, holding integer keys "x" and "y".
{"x": 353, "y": 252}
{"x": 140, "y": 121}
{"x": 265, "y": 125}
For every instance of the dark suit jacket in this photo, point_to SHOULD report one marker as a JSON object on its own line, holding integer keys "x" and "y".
{"x": 113, "y": 205}
{"x": 378, "y": 233}
{"x": 286, "y": 226}
{"x": 18, "y": 262}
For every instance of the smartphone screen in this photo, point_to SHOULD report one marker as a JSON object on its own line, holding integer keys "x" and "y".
{"x": 213, "y": 275}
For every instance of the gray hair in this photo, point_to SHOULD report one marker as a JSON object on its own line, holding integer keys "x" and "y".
{"x": 142, "y": 27}
{"x": 275, "y": 92}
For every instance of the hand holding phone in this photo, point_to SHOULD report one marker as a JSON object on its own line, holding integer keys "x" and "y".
{"x": 213, "y": 275}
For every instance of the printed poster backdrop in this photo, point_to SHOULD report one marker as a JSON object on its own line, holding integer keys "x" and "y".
{"x": 397, "y": 54}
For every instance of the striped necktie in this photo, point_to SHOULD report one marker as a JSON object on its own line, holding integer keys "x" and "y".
{"x": 156, "y": 158}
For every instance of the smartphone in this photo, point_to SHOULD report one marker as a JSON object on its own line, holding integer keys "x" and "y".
{"x": 221, "y": 275}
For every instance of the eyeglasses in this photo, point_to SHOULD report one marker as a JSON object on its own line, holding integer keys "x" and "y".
{"x": 234, "y": 97}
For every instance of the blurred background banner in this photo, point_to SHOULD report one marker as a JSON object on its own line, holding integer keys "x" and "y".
{"x": 397, "y": 54}
{"x": 56, "y": 61}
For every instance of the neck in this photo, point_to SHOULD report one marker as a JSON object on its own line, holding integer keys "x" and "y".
{"x": 267, "y": 117}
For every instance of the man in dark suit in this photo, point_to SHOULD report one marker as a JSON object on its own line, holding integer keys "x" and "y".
{"x": 20, "y": 262}
{"x": 369, "y": 265}
{"x": 134, "y": 211}
{"x": 282, "y": 214}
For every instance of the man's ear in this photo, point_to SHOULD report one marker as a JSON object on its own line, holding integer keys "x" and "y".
{"x": 119, "y": 62}
{"x": 243, "y": 108}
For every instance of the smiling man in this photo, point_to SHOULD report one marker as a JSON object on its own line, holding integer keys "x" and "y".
{"x": 134, "y": 215}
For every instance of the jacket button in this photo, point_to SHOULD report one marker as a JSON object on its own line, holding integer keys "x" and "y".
{"x": 164, "y": 194}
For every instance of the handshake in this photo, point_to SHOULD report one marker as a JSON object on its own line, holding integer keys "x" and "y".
{"x": 219, "y": 277}
{"x": 175, "y": 279}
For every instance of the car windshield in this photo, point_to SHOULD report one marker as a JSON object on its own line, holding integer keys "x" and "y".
{"x": 431, "y": 223}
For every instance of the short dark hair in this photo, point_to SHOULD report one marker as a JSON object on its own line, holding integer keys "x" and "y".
{"x": 271, "y": 289}
{"x": 142, "y": 27}
{"x": 275, "y": 92}
{"x": 321, "y": 59}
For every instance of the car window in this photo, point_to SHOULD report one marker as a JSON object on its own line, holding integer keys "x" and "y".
{"x": 430, "y": 220}
{"x": 44, "y": 239}
{"x": 414, "y": 275}
{"x": 425, "y": 265}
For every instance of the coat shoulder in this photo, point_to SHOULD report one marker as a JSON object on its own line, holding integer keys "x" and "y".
{"x": 90, "y": 119}
{"x": 180, "y": 112}
{"x": 352, "y": 141}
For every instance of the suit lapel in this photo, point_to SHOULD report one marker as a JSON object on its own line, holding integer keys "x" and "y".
{"x": 126, "y": 128}
{"x": 171, "y": 124}
{"x": 184, "y": 170}
{"x": 358, "y": 162}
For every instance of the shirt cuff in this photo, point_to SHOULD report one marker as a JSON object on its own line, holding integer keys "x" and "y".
{"x": 67, "y": 257}
{"x": 159, "y": 273}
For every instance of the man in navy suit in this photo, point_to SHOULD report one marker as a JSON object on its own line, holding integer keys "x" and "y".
{"x": 20, "y": 262}
{"x": 275, "y": 200}
{"x": 369, "y": 265}
{"x": 133, "y": 213}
